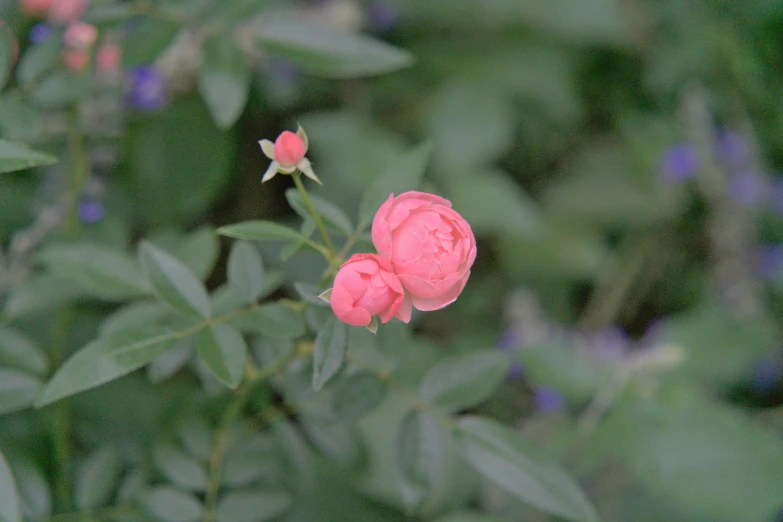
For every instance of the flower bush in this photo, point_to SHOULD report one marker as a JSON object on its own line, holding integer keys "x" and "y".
{"x": 536, "y": 277}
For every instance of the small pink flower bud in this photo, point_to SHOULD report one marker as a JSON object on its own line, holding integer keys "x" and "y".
{"x": 80, "y": 35}
{"x": 76, "y": 60}
{"x": 289, "y": 149}
{"x": 108, "y": 58}
{"x": 64, "y": 11}
{"x": 37, "y": 8}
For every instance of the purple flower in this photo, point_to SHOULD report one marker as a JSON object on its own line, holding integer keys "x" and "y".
{"x": 382, "y": 17}
{"x": 91, "y": 211}
{"x": 510, "y": 339}
{"x": 680, "y": 162}
{"x": 732, "y": 148}
{"x": 39, "y": 33}
{"x": 746, "y": 188}
{"x": 147, "y": 88}
{"x": 548, "y": 399}
{"x": 769, "y": 261}
{"x": 767, "y": 373}
{"x": 776, "y": 196}
{"x": 608, "y": 344}
{"x": 515, "y": 371}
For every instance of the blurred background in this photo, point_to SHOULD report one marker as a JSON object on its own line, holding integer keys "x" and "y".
{"x": 618, "y": 160}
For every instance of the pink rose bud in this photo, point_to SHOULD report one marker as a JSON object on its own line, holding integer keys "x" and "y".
{"x": 76, "y": 60}
{"x": 108, "y": 58}
{"x": 365, "y": 286}
{"x": 37, "y": 8}
{"x": 80, "y": 35}
{"x": 289, "y": 149}
{"x": 430, "y": 246}
{"x": 64, "y": 11}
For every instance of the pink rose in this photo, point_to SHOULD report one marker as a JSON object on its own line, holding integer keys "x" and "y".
{"x": 365, "y": 286}
{"x": 430, "y": 246}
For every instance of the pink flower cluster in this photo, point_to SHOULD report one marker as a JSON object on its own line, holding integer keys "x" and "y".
{"x": 79, "y": 37}
{"x": 425, "y": 252}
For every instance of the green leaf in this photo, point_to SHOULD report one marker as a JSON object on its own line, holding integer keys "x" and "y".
{"x": 42, "y": 292}
{"x": 339, "y": 441}
{"x": 35, "y": 498}
{"x": 405, "y": 174}
{"x": 173, "y": 282}
{"x": 224, "y": 79}
{"x": 503, "y": 456}
{"x": 199, "y": 251}
{"x": 96, "y": 478}
{"x": 169, "y": 362}
{"x": 420, "y": 457}
{"x": 167, "y": 504}
{"x": 19, "y": 120}
{"x": 38, "y": 59}
{"x": 246, "y": 270}
{"x": 327, "y": 52}
{"x": 311, "y": 293}
{"x": 356, "y": 395}
{"x": 60, "y": 88}
{"x": 260, "y": 231}
{"x": 273, "y": 320}
{"x": 106, "y": 359}
{"x": 720, "y": 349}
{"x": 9, "y": 498}
{"x": 252, "y": 506}
{"x": 180, "y": 468}
{"x": 141, "y": 313}
{"x": 492, "y": 203}
{"x": 223, "y": 350}
{"x": 567, "y": 368}
{"x": 16, "y": 156}
{"x": 180, "y": 147}
{"x": 18, "y": 390}
{"x": 471, "y": 125}
{"x": 462, "y": 381}
{"x": 332, "y": 216}
{"x": 147, "y": 40}
{"x": 329, "y": 351}
{"x": 19, "y": 351}
{"x": 8, "y": 52}
{"x": 100, "y": 271}
{"x": 107, "y": 13}
{"x": 700, "y": 454}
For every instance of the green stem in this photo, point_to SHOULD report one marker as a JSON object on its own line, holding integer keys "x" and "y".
{"x": 338, "y": 260}
{"x": 77, "y": 174}
{"x": 60, "y": 415}
{"x": 253, "y": 376}
{"x": 316, "y": 216}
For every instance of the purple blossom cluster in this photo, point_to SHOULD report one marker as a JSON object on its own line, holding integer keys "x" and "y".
{"x": 747, "y": 186}
{"x": 147, "y": 88}
{"x": 605, "y": 345}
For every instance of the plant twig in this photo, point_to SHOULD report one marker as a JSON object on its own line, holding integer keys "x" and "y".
{"x": 316, "y": 216}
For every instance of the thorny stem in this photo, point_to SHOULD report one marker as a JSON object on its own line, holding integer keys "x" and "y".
{"x": 316, "y": 216}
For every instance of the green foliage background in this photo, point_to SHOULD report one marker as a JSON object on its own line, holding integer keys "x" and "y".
{"x": 171, "y": 361}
